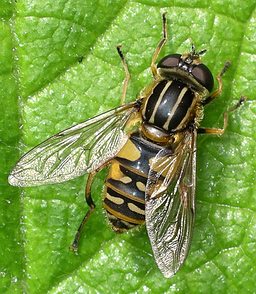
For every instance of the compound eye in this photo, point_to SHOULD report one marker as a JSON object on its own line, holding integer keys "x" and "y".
{"x": 204, "y": 76}
{"x": 168, "y": 61}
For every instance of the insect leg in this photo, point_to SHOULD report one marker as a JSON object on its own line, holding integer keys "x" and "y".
{"x": 159, "y": 47}
{"x": 90, "y": 202}
{"x": 219, "y": 90}
{"x": 89, "y": 212}
{"x": 127, "y": 78}
{"x": 221, "y": 131}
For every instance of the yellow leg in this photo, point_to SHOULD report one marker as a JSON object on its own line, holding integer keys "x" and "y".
{"x": 127, "y": 78}
{"x": 219, "y": 90}
{"x": 159, "y": 47}
{"x": 153, "y": 66}
{"x": 90, "y": 202}
{"x": 221, "y": 131}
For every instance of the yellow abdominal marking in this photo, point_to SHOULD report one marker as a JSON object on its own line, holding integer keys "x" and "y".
{"x": 141, "y": 186}
{"x": 129, "y": 151}
{"x": 136, "y": 209}
{"x": 115, "y": 200}
{"x": 126, "y": 180}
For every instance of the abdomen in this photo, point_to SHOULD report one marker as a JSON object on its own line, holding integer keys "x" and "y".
{"x": 124, "y": 197}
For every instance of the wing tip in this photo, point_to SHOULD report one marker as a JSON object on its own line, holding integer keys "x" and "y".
{"x": 14, "y": 181}
{"x": 168, "y": 270}
{"x": 169, "y": 273}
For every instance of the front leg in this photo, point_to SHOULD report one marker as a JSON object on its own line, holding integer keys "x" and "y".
{"x": 215, "y": 131}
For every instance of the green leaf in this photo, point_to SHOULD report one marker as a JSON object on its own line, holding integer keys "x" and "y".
{"x": 46, "y": 89}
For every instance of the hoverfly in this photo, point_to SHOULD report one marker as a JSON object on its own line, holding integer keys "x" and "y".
{"x": 150, "y": 146}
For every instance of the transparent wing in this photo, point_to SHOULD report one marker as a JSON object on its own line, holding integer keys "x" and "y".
{"x": 170, "y": 204}
{"x": 74, "y": 151}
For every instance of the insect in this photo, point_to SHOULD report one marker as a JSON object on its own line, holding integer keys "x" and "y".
{"x": 150, "y": 146}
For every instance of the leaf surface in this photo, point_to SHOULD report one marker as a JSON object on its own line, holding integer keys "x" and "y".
{"x": 46, "y": 89}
